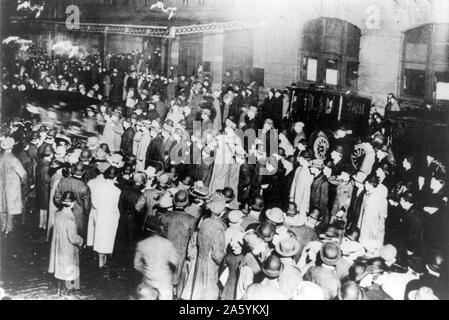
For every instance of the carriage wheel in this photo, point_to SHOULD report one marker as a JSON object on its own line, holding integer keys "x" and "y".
{"x": 357, "y": 157}
{"x": 321, "y": 147}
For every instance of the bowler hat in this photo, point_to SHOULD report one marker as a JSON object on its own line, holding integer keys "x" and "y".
{"x": 272, "y": 267}
{"x": 78, "y": 169}
{"x": 266, "y": 231}
{"x": 181, "y": 199}
{"x": 330, "y": 253}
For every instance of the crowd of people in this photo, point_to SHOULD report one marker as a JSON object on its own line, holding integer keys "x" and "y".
{"x": 209, "y": 214}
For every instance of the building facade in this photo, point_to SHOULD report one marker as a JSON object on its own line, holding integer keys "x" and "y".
{"x": 368, "y": 47}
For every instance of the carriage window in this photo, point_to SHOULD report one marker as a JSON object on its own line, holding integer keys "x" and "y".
{"x": 425, "y": 63}
{"x": 352, "y": 74}
{"x": 332, "y": 72}
{"x": 442, "y": 86}
{"x": 334, "y": 45}
{"x": 312, "y": 68}
{"x": 414, "y": 83}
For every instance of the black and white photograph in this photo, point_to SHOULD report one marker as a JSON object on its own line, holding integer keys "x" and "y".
{"x": 225, "y": 150}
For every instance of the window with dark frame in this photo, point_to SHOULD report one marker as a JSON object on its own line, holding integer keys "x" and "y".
{"x": 330, "y": 53}
{"x": 425, "y": 63}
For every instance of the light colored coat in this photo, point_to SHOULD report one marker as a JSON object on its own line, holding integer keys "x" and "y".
{"x": 12, "y": 177}
{"x": 372, "y": 218}
{"x": 225, "y": 172}
{"x": 112, "y": 135}
{"x": 104, "y": 216}
{"x": 141, "y": 151}
{"x": 64, "y": 252}
{"x": 300, "y": 190}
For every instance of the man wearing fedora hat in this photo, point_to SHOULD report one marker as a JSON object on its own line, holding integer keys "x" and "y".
{"x": 258, "y": 250}
{"x": 272, "y": 268}
{"x": 291, "y": 277}
{"x": 325, "y": 275}
{"x": 12, "y": 177}
{"x": 211, "y": 251}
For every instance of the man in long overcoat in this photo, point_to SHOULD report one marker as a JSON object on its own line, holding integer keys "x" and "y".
{"x": 12, "y": 179}
{"x": 83, "y": 202}
{"x": 211, "y": 251}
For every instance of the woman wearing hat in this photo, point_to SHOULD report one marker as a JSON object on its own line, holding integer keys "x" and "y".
{"x": 225, "y": 172}
{"x": 64, "y": 252}
{"x": 12, "y": 177}
{"x": 373, "y": 214}
{"x": 300, "y": 189}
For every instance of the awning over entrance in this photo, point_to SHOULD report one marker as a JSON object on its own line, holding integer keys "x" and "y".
{"x": 144, "y": 30}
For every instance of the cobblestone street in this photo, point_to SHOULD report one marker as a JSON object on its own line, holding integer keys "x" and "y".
{"x": 25, "y": 265}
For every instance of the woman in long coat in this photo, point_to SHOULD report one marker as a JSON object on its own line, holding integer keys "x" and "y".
{"x": 225, "y": 172}
{"x": 64, "y": 252}
{"x": 105, "y": 214}
{"x": 373, "y": 214}
{"x": 300, "y": 190}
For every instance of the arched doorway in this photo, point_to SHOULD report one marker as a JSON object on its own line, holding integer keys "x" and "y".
{"x": 330, "y": 53}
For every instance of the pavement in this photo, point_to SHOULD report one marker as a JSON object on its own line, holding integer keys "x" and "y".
{"x": 24, "y": 268}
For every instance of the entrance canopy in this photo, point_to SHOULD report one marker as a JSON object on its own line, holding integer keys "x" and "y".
{"x": 144, "y": 30}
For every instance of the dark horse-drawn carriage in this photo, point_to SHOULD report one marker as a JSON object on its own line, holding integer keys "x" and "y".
{"x": 326, "y": 111}
{"x": 413, "y": 131}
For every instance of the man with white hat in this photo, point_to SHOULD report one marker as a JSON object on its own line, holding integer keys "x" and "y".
{"x": 12, "y": 176}
{"x": 291, "y": 277}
